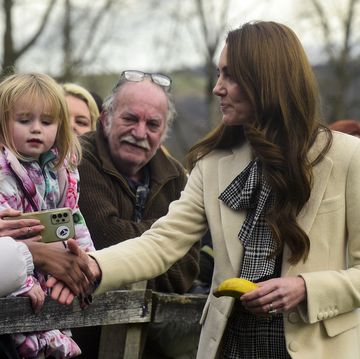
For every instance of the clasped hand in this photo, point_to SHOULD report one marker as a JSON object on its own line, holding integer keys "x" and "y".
{"x": 77, "y": 280}
{"x": 68, "y": 268}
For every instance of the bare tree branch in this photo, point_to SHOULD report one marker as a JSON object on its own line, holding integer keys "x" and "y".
{"x": 93, "y": 28}
{"x": 39, "y": 31}
{"x": 10, "y": 54}
{"x": 88, "y": 49}
{"x": 319, "y": 10}
{"x": 339, "y": 54}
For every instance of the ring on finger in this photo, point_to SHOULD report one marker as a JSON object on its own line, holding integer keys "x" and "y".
{"x": 29, "y": 230}
{"x": 272, "y": 311}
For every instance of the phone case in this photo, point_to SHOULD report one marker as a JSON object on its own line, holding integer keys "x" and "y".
{"x": 58, "y": 223}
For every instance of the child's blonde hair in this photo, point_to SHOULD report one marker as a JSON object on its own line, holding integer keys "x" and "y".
{"x": 39, "y": 87}
{"x": 83, "y": 94}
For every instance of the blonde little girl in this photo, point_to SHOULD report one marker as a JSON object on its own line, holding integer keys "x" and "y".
{"x": 38, "y": 158}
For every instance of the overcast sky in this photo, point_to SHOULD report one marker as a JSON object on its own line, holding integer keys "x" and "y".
{"x": 142, "y": 53}
{"x": 143, "y": 44}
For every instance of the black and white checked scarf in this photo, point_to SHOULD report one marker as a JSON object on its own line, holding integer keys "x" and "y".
{"x": 250, "y": 191}
{"x": 248, "y": 336}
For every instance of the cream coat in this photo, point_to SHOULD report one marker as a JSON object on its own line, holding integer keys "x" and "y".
{"x": 327, "y": 325}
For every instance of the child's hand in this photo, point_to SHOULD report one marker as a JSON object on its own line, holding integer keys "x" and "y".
{"x": 59, "y": 291}
{"x": 63, "y": 294}
{"x": 37, "y": 297}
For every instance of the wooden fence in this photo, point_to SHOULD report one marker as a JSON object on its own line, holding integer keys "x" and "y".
{"x": 112, "y": 310}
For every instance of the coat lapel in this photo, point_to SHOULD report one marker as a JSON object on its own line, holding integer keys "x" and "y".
{"x": 321, "y": 174}
{"x": 306, "y": 217}
{"x": 229, "y": 167}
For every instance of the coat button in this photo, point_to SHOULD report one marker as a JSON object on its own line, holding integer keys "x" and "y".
{"x": 293, "y": 317}
{"x": 320, "y": 316}
{"x": 331, "y": 314}
{"x": 294, "y": 346}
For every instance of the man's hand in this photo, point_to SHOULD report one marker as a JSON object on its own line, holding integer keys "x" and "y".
{"x": 68, "y": 266}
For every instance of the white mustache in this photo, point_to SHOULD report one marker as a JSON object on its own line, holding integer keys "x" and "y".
{"x": 141, "y": 143}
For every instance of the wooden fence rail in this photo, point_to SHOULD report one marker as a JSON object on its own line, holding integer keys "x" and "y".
{"x": 112, "y": 310}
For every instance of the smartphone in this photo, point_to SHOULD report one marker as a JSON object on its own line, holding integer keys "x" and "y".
{"x": 58, "y": 223}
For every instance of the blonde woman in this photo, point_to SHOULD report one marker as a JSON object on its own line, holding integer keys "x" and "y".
{"x": 83, "y": 109}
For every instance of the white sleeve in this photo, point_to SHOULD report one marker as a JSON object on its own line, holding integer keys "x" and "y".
{"x": 15, "y": 264}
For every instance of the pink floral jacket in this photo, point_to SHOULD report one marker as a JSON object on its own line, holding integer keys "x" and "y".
{"x": 33, "y": 186}
{"x": 36, "y": 185}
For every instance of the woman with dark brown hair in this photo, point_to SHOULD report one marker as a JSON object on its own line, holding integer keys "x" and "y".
{"x": 280, "y": 194}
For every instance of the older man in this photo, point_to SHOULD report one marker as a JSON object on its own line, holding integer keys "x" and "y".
{"x": 127, "y": 180}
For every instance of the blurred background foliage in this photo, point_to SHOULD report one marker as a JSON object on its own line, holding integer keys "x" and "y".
{"x": 91, "y": 42}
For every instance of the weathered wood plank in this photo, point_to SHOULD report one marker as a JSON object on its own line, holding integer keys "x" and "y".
{"x": 122, "y": 341}
{"x": 135, "y": 339}
{"x": 167, "y": 307}
{"x": 114, "y": 307}
{"x": 124, "y": 316}
{"x": 112, "y": 341}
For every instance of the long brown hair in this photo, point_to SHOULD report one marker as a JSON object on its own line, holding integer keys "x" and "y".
{"x": 269, "y": 63}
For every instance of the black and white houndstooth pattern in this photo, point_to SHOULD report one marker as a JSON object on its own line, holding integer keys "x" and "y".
{"x": 250, "y": 191}
{"x": 252, "y": 337}
{"x": 248, "y": 336}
